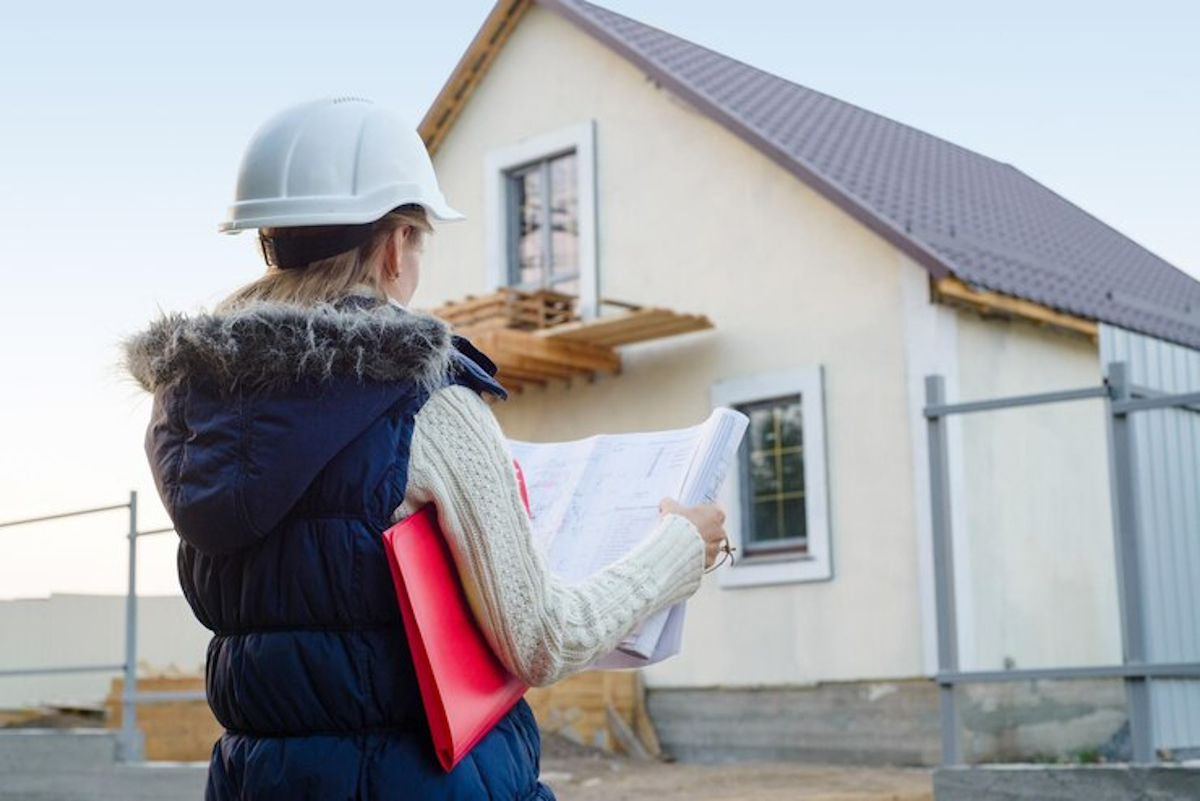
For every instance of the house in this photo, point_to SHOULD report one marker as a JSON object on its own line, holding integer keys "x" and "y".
{"x": 841, "y": 257}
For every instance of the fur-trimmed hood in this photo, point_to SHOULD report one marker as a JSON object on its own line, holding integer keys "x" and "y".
{"x": 251, "y": 405}
{"x": 266, "y": 346}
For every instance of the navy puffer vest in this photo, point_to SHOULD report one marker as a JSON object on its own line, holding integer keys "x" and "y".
{"x": 279, "y": 444}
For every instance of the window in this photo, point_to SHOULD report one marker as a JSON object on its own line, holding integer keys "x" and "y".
{"x": 541, "y": 215}
{"x": 543, "y": 225}
{"x": 777, "y": 503}
{"x": 772, "y": 478}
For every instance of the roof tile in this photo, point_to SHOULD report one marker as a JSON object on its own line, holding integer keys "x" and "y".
{"x": 985, "y": 221}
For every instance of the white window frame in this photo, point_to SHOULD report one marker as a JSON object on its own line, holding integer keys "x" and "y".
{"x": 580, "y": 139}
{"x": 816, "y": 563}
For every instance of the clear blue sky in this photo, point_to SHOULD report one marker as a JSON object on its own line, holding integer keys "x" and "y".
{"x": 123, "y": 123}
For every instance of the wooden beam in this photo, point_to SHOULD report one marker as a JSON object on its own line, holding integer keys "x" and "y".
{"x": 469, "y": 304}
{"x": 471, "y": 68}
{"x": 507, "y": 360}
{"x": 986, "y": 300}
{"x": 635, "y": 326}
{"x": 521, "y": 377}
{"x": 654, "y": 330}
{"x": 566, "y": 353}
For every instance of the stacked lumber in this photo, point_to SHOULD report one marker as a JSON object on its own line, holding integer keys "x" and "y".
{"x": 524, "y": 360}
{"x": 601, "y": 709}
{"x": 175, "y": 731}
{"x": 537, "y": 337}
{"x": 634, "y": 325}
{"x": 509, "y": 308}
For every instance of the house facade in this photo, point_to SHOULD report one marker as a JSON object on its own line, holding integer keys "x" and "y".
{"x": 600, "y": 157}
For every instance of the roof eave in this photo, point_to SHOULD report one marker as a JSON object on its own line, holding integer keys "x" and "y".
{"x": 493, "y": 33}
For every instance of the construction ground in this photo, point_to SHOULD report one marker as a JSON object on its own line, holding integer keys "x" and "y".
{"x": 64, "y": 772}
{"x": 68, "y": 755}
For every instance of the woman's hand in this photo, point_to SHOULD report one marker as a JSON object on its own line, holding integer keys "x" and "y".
{"x": 709, "y": 520}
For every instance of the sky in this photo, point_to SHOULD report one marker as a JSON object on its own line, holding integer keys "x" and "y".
{"x": 123, "y": 123}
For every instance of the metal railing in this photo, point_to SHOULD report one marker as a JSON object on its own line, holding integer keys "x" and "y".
{"x": 130, "y": 742}
{"x": 1123, "y": 398}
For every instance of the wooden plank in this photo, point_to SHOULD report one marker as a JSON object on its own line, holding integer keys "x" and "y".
{"x": 642, "y": 724}
{"x": 644, "y": 333}
{"x": 580, "y": 355}
{"x": 522, "y": 363}
{"x": 476, "y": 331}
{"x": 177, "y": 731}
{"x": 633, "y": 327}
{"x": 659, "y": 330}
{"x": 498, "y": 324}
{"x": 587, "y": 706}
{"x": 987, "y": 300}
{"x": 621, "y": 304}
{"x": 470, "y": 304}
{"x": 511, "y": 384}
{"x": 513, "y": 307}
{"x": 479, "y": 315}
{"x": 600, "y": 328}
{"x": 624, "y": 735}
{"x": 507, "y": 373}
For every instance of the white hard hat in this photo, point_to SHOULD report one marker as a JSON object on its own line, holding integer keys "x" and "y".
{"x": 338, "y": 161}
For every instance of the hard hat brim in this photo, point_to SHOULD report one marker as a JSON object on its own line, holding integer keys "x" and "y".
{"x": 297, "y": 212}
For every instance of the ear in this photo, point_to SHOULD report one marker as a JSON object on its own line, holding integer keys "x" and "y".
{"x": 391, "y": 255}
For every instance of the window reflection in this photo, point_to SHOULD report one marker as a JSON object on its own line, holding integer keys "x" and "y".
{"x": 544, "y": 225}
{"x": 773, "y": 477}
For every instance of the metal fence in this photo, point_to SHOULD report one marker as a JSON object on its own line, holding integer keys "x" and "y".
{"x": 1123, "y": 400}
{"x": 130, "y": 742}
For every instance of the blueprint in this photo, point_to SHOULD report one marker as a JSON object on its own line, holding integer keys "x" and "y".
{"x": 593, "y": 500}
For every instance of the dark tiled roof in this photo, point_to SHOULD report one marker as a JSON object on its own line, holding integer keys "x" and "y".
{"x": 953, "y": 210}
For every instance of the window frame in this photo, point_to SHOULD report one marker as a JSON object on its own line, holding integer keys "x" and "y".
{"x": 499, "y": 163}
{"x": 815, "y": 563}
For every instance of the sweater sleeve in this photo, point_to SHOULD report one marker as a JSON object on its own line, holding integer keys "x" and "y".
{"x": 540, "y": 627}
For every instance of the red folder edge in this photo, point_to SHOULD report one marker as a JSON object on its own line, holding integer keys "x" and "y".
{"x": 464, "y": 688}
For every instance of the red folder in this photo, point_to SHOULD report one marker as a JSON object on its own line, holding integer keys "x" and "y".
{"x": 464, "y": 687}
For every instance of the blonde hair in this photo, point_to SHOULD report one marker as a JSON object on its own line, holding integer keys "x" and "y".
{"x": 329, "y": 279}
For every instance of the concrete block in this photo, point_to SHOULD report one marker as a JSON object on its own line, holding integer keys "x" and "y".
{"x": 1036, "y": 720}
{"x": 56, "y": 750}
{"x": 862, "y": 723}
{"x": 1067, "y": 783}
{"x": 890, "y": 722}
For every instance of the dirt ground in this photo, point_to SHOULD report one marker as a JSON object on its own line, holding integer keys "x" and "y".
{"x": 580, "y": 774}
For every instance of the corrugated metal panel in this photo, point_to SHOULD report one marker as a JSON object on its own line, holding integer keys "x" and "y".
{"x": 1167, "y": 448}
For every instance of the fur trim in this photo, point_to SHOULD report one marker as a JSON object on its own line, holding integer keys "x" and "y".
{"x": 266, "y": 346}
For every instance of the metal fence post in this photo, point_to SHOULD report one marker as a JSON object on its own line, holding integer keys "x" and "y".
{"x": 130, "y": 742}
{"x": 943, "y": 568}
{"x": 1129, "y": 564}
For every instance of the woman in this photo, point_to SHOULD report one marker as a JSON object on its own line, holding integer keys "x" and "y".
{"x": 304, "y": 416}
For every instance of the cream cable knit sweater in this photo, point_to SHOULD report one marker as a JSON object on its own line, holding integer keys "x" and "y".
{"x": 540, "y": 627}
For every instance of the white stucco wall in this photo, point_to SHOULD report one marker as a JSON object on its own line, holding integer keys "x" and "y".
{"x": 693, "y": 219}
{"x": 1036, "y": 523}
